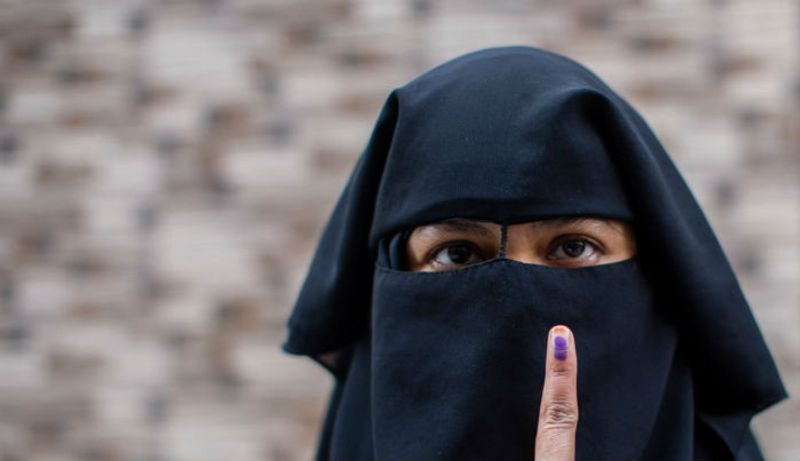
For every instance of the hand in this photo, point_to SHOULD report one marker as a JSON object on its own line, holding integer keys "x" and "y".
{"x": 558, "y": 414}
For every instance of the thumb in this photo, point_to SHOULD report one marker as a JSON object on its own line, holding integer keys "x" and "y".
{"x": 558, "y": 414}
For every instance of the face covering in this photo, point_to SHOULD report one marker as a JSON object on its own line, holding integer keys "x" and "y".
{"x": 449, "y": 365}
{"x": 462, "y": 354}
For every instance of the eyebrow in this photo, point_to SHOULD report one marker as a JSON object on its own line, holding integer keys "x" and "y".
{"x": 459, "y": 225}
{"x": 475, "y": 227}
{"x": 577, "y": 221}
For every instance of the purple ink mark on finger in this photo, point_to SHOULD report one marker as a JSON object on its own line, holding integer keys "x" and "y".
{"x": 560, "y": 349}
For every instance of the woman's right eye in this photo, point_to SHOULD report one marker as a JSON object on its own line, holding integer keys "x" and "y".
{"x": 456, "y": 254}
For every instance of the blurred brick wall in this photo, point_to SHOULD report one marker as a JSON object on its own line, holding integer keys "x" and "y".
{"x": 166, "y": 168}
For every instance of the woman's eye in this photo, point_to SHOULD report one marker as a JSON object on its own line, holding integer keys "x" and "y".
{"x": 456, "y": 254}
{"x": 573, "y": 248}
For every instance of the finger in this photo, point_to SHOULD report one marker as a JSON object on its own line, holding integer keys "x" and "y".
{"x": 558, "y": 413}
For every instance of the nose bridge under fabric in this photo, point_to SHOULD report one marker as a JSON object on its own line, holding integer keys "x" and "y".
{"x": 501, "y": 253}
{"x": 458, "y": 358}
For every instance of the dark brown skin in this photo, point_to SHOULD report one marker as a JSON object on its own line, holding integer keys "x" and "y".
{"x": 558, "y": 412}
{"x": 564, "y": 242}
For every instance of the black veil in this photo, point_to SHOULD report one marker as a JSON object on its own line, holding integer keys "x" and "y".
{"x": 509, "y": 135}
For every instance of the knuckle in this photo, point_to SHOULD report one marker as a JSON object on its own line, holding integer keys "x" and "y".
{"x": 562, "y": 368}
{"x": 560, "y": 415}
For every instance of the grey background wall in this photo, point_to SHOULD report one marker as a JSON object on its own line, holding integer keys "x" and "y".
{"x": 166, "y": 168}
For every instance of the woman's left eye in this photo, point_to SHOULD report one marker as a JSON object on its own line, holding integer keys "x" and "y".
{"x": 573, "y": 248}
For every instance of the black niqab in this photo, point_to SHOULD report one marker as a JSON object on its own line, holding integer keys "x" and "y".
{"x": 449, "y": 365}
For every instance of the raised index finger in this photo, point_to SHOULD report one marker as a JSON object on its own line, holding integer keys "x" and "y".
{"x": 558, "y": 413}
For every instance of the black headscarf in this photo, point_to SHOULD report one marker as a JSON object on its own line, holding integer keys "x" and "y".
{"x": 449, "y": 365}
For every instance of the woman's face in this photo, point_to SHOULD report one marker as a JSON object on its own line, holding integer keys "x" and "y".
{"x": 562, "y": 242}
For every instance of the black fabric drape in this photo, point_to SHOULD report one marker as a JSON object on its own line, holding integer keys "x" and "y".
{"x": 449, "y": 365}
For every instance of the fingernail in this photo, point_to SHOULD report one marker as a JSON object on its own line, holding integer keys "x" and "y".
{"x": 560, "y": 343}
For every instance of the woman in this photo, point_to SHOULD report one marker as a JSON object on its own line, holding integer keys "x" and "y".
{"x": 501, "y": 194}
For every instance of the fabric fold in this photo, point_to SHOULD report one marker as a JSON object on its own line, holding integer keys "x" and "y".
{"x": 426, "y": 367}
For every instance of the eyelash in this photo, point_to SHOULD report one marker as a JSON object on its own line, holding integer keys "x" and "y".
{"x": 431, "y": 256}
{"x": 596, "y": 246}
{"x": 557, "y": 243}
